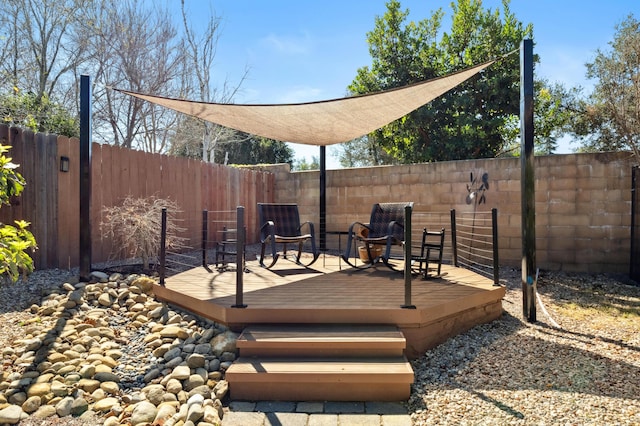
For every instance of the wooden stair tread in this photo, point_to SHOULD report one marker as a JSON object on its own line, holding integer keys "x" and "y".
{"x": 365, "y": 370}
{"x": 353, "y": 334}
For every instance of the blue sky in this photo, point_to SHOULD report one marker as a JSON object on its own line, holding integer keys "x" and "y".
{"x": 300, "y": 51}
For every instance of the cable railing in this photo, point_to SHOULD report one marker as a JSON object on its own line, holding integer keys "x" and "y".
{"x": 223, "y": 236}
{"x": 474, "y": 240}
{"x": 222, "y": 240}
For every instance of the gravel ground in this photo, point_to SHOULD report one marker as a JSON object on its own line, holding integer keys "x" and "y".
{"x": 579, "y": 364}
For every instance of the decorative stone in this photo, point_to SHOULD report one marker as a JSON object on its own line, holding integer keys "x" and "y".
{"x": 79, "y": 406}
{"x": 31, "y": 404}
{"x": 107, "y": 377}
{"x": 105, "y": 404}
{"x": 39, "y": 389}
{"x": 195, "y": 360}
{"x": 63, "y": 408}
{"x": 181, "y": 372}
{"x": 45, "y": 411}
{"x": 224, "y": 342}
{"x": 143, "y": 412}
{"x": 12, "y": 415}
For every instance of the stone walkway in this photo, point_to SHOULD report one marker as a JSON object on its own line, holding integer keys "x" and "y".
{"x": 272, "y": 413}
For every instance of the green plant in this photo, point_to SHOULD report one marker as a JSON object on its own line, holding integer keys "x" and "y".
{"x": 134, "y": 227}
{"x": 15, "y": 241}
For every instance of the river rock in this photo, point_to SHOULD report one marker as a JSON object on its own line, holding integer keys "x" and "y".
{"x": 143, "y": 412}
{"x": 12, "y": 415}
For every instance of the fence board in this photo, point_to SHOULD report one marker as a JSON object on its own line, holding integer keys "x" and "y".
{"x": 51, "y": 198}
{"x": 100, "y": 196}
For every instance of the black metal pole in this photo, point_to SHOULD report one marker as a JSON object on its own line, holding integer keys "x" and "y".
{"x": 85, "y": 177}
{"x": 323, "y": 198}
{"x": 205, "y": 234}
{"x": 163, "y": 245}
{"x": 527, "y": 182}
{"x": 496, "y": 261}
{"x": 407, "y": 258}
{"x": 634, "y": 262}
{"x": 241, "y": 229}
{"x": 454, "y": 241}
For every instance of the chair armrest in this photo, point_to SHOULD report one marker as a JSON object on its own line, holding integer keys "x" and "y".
{"x": 309, "y": 225}
{"x": 267, "y": 230}
{"x": 392, "y": 231}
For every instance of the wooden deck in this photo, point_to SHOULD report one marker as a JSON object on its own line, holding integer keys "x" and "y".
{"x": 330, "y": 292}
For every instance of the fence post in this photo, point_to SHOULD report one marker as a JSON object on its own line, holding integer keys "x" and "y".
{"x": 163, "y": 245}
{"x": 407, "y": 258}
{"x": 205, "y": 233}
{"x": 454, "y": 244}
{"x": 496, "y": 262}
{"x": 241, "y": 230}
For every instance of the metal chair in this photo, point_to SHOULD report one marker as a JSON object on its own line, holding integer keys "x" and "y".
{"x": 280, "y": 224}
{"x": 376, "y": 238}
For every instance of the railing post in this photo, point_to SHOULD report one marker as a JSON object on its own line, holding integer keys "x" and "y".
{"x": 407, "y": 258}
{"x": 241, "y": 230}
{"x": 205, "y": 234}
{"x": 496, "y": 261}
{"x": 163, "y": 245}
{"x": 454, "y": 244}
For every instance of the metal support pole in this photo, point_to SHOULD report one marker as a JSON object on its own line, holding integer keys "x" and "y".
{"x": 454, "y": 241}
{"x": 323, "y": 198}
{"x": 634, "y": 262}
{"x": 163, "y": 246}
{"x": 407, "y": 258}
{"x": 496, "y": 261}
{"x": 205, "y": 234}
{"x": 527, "y": 182}
{"x": 241, "y": 230}
{"x": 85, "y": 177}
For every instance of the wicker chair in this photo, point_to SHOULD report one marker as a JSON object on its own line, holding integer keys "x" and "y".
{"x": 384, "y": 230}
{"x": 280, "y": 224}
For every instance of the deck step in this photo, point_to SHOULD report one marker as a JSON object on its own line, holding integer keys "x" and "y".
{"x": 320, "y": 379}
{"x": 321, "y": 341}
{"x": 329, "y": 362}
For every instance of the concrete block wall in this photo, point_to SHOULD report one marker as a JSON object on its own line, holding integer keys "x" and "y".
{"x": 583, "y": 203}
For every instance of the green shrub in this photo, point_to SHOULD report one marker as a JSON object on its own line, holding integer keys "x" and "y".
{"x": 16, "y": 242}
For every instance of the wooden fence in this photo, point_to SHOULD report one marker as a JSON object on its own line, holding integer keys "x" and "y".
{"x": 51, "y": 199}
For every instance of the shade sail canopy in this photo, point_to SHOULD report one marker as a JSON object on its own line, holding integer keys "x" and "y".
{"x": 319, "y": 123}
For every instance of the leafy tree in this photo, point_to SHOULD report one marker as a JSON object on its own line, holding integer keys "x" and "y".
{"x": 39, "y": 114}
{"x": 302, "y": 165}
{"x": 360, "y": 153}
{"x": 15, "y": 241}
{"x": 253, "y": 150}
{"x": 466, "y": 122}
{"x": 610, "y": 117}
{"x": 554, "y": 109}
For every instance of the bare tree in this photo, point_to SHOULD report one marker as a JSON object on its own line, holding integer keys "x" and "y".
{"x": 201, "y": 53}
{"x": 136, "y": 48}
{"x": 40, "y": 47}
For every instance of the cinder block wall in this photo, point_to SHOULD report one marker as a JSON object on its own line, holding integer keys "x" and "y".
{"x": 583, "y": 203}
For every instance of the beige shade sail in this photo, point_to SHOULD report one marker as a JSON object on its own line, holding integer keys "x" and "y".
{"x": 319, "y": 123}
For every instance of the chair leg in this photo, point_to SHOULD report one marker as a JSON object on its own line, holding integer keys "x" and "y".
{"x": 274, "y": 255}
